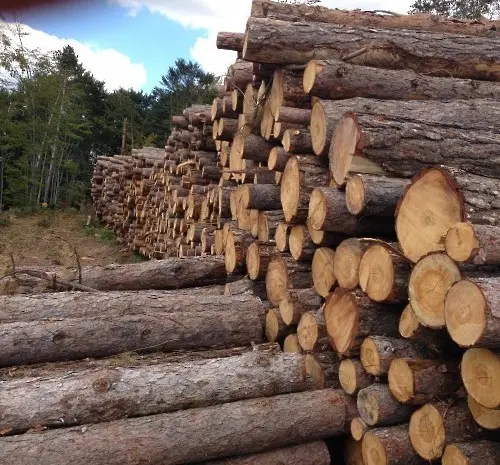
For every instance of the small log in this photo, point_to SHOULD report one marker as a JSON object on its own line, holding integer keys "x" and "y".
{"x": 323, "y": 368}
{"x": 487, "y": 418}
{"x": 322, "y": 271}
{"x": 287, "y": 90}
{"x": 255, "y": 148}
{"x": 358, "y": 429}
{"x": 474, "y": 244}
{"x": 291, "y": 344}
{"x": 348, "y": 256}
{"x": 278, "y": 158}
{"x": 261, "y": 196}
{"x": 378, "y": 352}
{"x": 391, "y": 445}
{"x": 376, "y": 406}
{"x": 480, "y": 370}
{"x": 419, "y": 381}
{"x": 325, "y": 238}
{"x": 430, "y": 280}
{"x": 301, "y": 245}
{"x": 268, "y": 223}
{"x": 374, "y": 195}
{"x": 353, "y": 377}
{"x": 471, "y": 453}
{"x": 276, "y": 330}
{"x": 230, "y": 41}
{"x": 433, "y": 426}
{"x": 246, "y": 286}
{"x": 237, "y": 244}
{"x": 283, "y": 274}
{"x": 258, "y": 257}
{"x": 281, "y": 236}
{"x": 227, "y": 128}
{"x": 297, "y": 141}
{"x": 293, "y": 115}
{"x": 311, "y": 331}
{"x": 296, "y": 303}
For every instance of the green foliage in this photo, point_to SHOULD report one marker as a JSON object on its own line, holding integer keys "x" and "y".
{"x": 101, "y": 232}
{"x": 46, "y": 219}
{"x": 465, "y": 9}
{"x": 4, "y": 221}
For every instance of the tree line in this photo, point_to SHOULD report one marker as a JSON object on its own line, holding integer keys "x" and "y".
{"x": 56, "y": 118}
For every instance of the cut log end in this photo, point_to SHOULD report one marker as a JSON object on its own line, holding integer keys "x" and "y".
{"x": 488, "y": 418}
{"x": 369, "y": 355}
{"x": 427, "y": 432}
{"x": 401, "y": 382}
{"x": 307, "y": 331}
{"x": 347, "y": 376}
{"x": 319, "y": 125}
{"x": 296, "y": 241}
{"x": 291, "y": 344}
{"x": 358, "y": 429}
{"x": 230, "y": 253}
{"x": 342, "y": 319}
{"x": 408, "y": 323}
{"x": 281, "y": 237}
{"x": 376, "y": 273}
{"x": 253, "y": 261}
{"x": 290, "y": 189}
{"x": 355, "y": 195}
{"x": 374, "y": 451}
{"x": 276, "y": 280}
{"x": 312, "y": 69}
{"x": 460, "y": 242}
{"x": 323, "y": 274}
{"x": 317, "y": 209}
{"x": 343, "y": 147}
{"x": 346, "y": 265}
{"x": 273, "y": 326}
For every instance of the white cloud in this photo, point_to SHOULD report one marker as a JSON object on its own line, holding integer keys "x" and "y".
{"x": 231, "y": 15}
{"x": 106, "y": 64}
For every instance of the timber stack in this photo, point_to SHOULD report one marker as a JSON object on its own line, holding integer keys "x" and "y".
{"x": 351, "y": 169}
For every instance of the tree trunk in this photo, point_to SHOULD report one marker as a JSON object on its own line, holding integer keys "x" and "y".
{"x": 301, "y": 245}
{"x": 131, "y": 391}
{"x": 187, "y": 436}
{"x": 418, "y": 22}
{"x": 378, "y": 352}
{"x": 346, "y": 262}
{"x": 376, "y": 406}
{"x": 298, "y": 302}
{"x": 393, "y": 444}
{"x": 334, "y": 79}
{"x": 230, "y": 41}
{"x": 311, "y": 331}
{"x": 293, "y": 115}
{"x": 435, "y": 425}
{"x": 474, "y": 244}
{"x": 274, "y": 41}
{"x": 287, "y": 90}
{"x": 353, "y": 377}
{"x": 258, "y": 258}
{"x": 297, "y": 141}
{"x": 472, "y": 453}
{"x": 261, "y": 196}
{"x": 323, "y": 368}
{"x": 75, "y": 338}
{"x": 472, "y": 312}
{"x": 374, "y": 195}
{"x": 351, "y": 317}
{"x": 322, "y": 271}
{"x": 419, "y": 381}
{"x": 312, "y": 453}
{"x": 283, "y": 274}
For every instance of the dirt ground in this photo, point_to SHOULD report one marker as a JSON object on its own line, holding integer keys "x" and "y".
{"x": 36, "y": 240}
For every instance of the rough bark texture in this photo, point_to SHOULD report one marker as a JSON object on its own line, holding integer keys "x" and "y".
{"x": 335, "y": 79}
{"x": 287, "y": 90}
{"x": 188, "y": 436}
{"x": 353, "y": 377}
{"x": 323, "y": 367}
{"x": 75, "y": 338}
{"x": 298, "y": 302}
{"x": 297, "y": 141}
{"x": 118, "y": 391}
{"x": 274, "y": 41}
{"x": 261, "y": 197}
{"x": 312, "y": 453}
{"x": 472, "y": 453}
{"x": 246, "y": 286}
{"x": 419, "y": 22}
{"x": 230, "y": 41}
{"x": 293, "y": 115}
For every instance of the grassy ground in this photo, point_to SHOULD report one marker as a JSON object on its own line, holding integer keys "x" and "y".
{"x": 38, "y": 239}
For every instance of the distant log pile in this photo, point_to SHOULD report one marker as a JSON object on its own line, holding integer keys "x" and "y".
{"x": 345, "y": 188}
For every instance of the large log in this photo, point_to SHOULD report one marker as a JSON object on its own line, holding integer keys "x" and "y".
{"x": 75, "y": 338}
{"x": 274, "y": 41}
{"x": 117, "y": 390}
{"x": 472, "y": 453}
{"x": 312, "y": 453}
{"x": 418, "y": 22}
{"x": 188, "y": 436}
{"x": 395, "y": 136}
{"x": 334, "y": 79}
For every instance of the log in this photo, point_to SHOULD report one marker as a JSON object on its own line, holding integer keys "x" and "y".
{"x": 472, "y": 453}
{"x": 38, "y": 399}
{"x": 376, "y": 406}
{"x": 291, "y": 344}
{"x": 255, "y": 148}
{"x": 226, "y": 130}
{"x": 485, "y": 417}
{"x": 311, "y": 331}
{"x": 420, "y": 381}
{"x": 286, "y": 90}
{"x": 246, "y": 286}
{"x": 268, "y": 223}
{"x": 322, "y": 271}
{"x": 276, "y": 330}
{"x": 433, "y": 426}
{"x": 258, "y": 257}
{"x": 353, "y": 452}
{"x": 298, "y": 302}
{"x": 297, "y": 141}
{"x": 418, "y": 22}
{"x": 374, "y": 195}
{"x": 430, "y": 280}
{"x": 230, "y": 41}
{"x": 274, "y": 41}
{"x": 261, "y": 196}
{"x": 278, "y": 158}
{"x": 350, "y": 317}
{"x": 346, "y": 262}
{"x": 281, "y": 236}
{"x": 353, "y": 377}
{"x": 313, "y": 453}
{"x": 358, "y": 429}
{"x": 293, "y": 115}
{"x": 283, "y": 274}
{"x": 235, "y": 250}
{"x": 74, "y": 338}
{"x": 389, "y": 446}
{"x": 300, "y": 243}
{"x": 474, "y": 244}
{"x": 162, "y": 274}
{"x": 405, "y": 130}
{"x": 323, "y": 368}
{"x": 378, "y": 352}
{"x": 383, "y": 273}
{"x": 325, "y": 238}
{"x": 334, "y": 79}
{"x": 480, "y": 370}
{"x": 472, "y": 312}
{"x": 241, "y": 427}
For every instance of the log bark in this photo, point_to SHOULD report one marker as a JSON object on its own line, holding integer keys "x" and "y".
{"x": 322, "y": 271}
{"x": 312, "y": 453}
{"x": 261, "y": 196}
{"x": 293, "y": 115}
{"x": 301, "y": 245}
{"x": 187, "y": 436}
{"x": 435, "y": 425}
{"x": 235, "y": 250}
{"x": 353, "y": 452}
{"x": 286, "y": 90}
{"x": 334, "y": 79}
{"x": 74, "y": 338}
{"x": 378, "y": 352}
{"x": 350, "y": 317}
{"x": 353, "y": 377}
{"x": 419, "y": 381}
{"x": 474, "y": 244}
{"x": 255, "y": 148}
{"x": 311, "y": 331}
{"x": 472, "y": 312}
{"x": 283, "y": 274}
{"x": 472, "y": 453}
{"x": 430, "y": 280}
{"x": 297, "y": 141}
{"x": 276, "y": 329}
{"x": 246, "y": 286}
{"x": 274, "y": 41}
{"x": 418, "y": 22}
{"x": 358, "y": 429}
{"x": 268, "y": 223}
{"x": 376, "y": 406}
{"x": 230, "y": 41}
{"x": 278, "y": 158}
{"x": 480, "y": 371}
{"x": 390, "y": 446}
{"x": 298, "y": 302}
{"x": 323, "y": 368}
{"x": 116, "y": 390}
{"x": 374, "y": 195}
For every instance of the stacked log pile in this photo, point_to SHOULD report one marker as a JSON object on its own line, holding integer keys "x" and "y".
{"x": 353, "y": 174}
